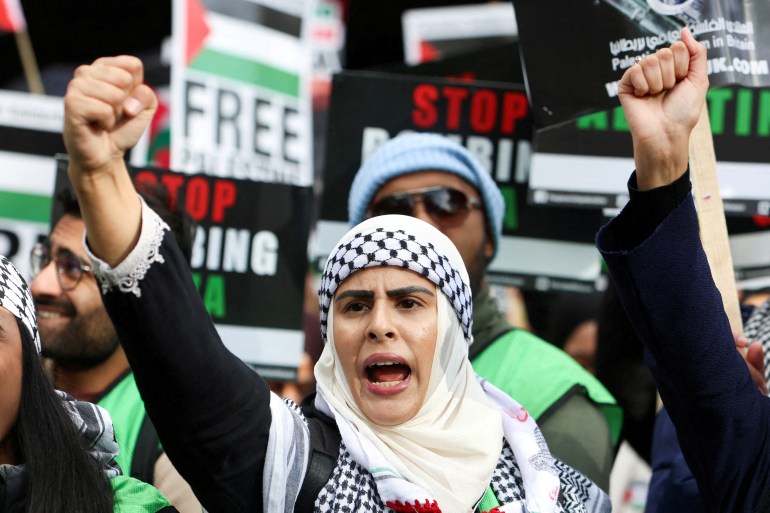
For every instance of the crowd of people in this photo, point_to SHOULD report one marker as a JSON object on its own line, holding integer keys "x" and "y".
{"x": 426, "y": 398}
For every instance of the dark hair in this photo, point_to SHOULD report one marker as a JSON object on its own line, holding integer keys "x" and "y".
{"x": 62, "y": 477}
{"x": 157, "y": 198}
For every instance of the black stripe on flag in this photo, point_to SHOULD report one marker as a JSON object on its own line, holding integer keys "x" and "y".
{"x": 33, "y": 142}
{"x": 262, "y": 15}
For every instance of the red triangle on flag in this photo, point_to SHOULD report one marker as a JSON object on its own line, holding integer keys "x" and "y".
{"x": 197, "y": 29}
{"x": 12, "y": 16}
{"x": 428, "y": 52}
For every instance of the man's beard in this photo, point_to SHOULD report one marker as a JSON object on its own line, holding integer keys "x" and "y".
{"x": 477, "y": 271}
{"x": 84, "y": 342}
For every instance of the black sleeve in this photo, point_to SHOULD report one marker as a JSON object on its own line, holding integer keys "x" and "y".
{"x": 647, "y": 209}
{"x": 211, "y": 411}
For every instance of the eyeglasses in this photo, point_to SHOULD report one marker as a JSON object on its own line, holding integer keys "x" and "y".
{"x": 69, "y": 266}
{"x": 441, "y": 203}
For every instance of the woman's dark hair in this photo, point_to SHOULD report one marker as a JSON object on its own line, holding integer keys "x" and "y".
{"x": 62, "y": 477}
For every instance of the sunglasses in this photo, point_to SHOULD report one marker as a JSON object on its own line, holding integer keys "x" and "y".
{"x": 441, "y": 203}
{"x": 69, "y": 267}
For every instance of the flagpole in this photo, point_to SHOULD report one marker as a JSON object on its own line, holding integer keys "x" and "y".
{"x": 29, "y": 63}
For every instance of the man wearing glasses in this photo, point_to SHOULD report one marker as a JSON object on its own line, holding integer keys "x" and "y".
{"x": 432, "y": 178}
{"x": 82, "y": 349}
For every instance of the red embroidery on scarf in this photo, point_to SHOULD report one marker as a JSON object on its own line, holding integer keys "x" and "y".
{"x": 521, "y": 417}
{"x": 406, "y": 507}
{"x": 554, "y": 493}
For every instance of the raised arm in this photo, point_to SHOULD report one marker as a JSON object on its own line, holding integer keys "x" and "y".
{"x": 654, "y": 253}
{"x": 211, "y": 411}
{"x": 106, "y": 109}
{"x": 662, "y": 97}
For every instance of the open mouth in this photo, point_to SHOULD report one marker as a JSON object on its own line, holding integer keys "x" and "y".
{"x": 47, "y": 307}
{"x": 387, "y": 374}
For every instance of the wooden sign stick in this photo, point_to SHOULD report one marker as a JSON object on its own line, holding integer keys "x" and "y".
{"x": 29, "y": 63}
{"x": 711, "y": 217}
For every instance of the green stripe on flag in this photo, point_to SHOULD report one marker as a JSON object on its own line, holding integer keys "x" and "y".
{"x": 245, "y": 70}
{"x": 25, "y": 207}
{"x": 162, "y": 140}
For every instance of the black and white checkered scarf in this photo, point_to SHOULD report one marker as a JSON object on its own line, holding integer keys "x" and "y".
{"x": 16, "y": 298}
{"x": 445, "y": 456}
{"x": 757, "y": 329}
{"x": 394, "y": 247}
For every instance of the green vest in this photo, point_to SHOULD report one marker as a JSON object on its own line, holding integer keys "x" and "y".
{"x": 126, "y": 408}
{"x": 538, "y": 374}
{"x": 134, "y": 496}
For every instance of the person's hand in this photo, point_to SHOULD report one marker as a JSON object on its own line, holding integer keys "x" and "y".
{"x": 662, "y": 98}
{"x": 755, "y": 360}
{"x": 106, "y": 109}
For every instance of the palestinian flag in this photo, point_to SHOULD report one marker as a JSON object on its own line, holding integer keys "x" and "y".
{"x": 12, "y": 16}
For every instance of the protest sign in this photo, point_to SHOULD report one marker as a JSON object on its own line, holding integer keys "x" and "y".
{"x": 433, "y": 33}
{"x": 496, "y": 62}
{"x": 249, "y": 260}
{"x": 575, "y": 52}
{"x": 541, "y": 248}
{"x": 593, "y": 43}
{"x": 750, "y": 247}
{"x": 30, "y": 136}
{"x": 240, "y": 104}
{"x": 373, "y": 30}
{"x": 327, "y": 39}
{"x": 586, "y": 163}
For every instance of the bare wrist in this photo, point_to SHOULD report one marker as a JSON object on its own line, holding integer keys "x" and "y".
{"x": 657, "y": 168}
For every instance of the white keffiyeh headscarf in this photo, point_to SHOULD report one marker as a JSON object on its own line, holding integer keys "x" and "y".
{"x": 445, "y": 455}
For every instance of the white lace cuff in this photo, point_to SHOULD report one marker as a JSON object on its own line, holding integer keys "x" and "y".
{"x": 128, "y": 273}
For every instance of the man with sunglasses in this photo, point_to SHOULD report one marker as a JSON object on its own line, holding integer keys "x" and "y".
{"x": 82, "y": 350}
{"x": 433, "y": 178}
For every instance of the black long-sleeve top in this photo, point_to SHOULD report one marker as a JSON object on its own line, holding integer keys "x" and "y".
{"x": 217, "y": 432}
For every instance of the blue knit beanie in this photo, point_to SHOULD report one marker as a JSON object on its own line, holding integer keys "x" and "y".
{"x": 413, "y": 152}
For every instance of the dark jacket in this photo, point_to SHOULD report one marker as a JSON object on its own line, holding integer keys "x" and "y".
{"x": 672, "y": 486}
{"x": 654, "y": 254}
